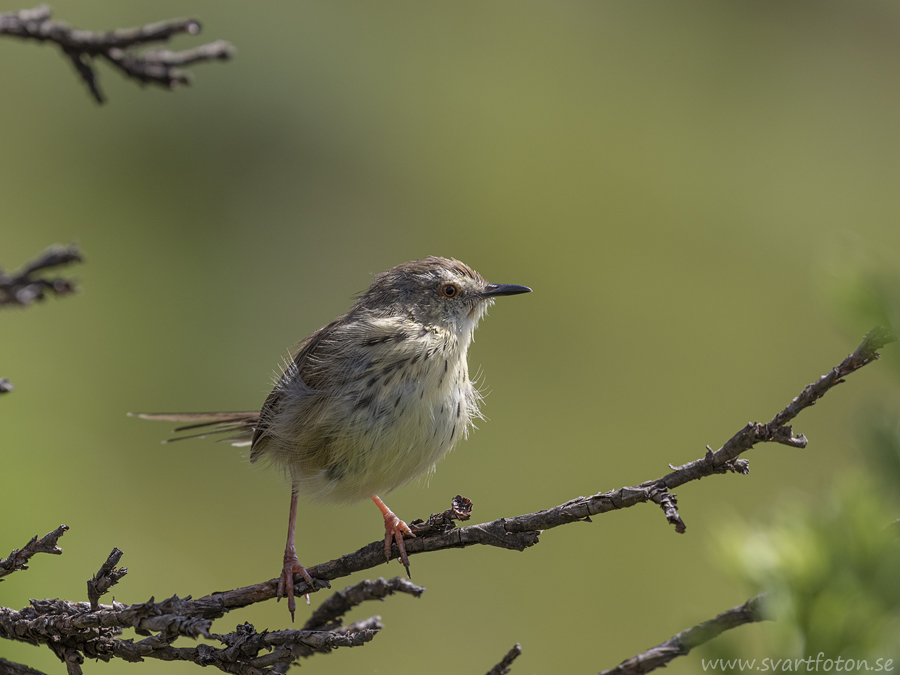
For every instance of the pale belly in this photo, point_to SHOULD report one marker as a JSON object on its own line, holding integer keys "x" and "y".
{"x": 396, "y": 429}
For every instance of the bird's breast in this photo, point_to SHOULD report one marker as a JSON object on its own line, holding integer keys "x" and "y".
{"x": 390, "y": 422}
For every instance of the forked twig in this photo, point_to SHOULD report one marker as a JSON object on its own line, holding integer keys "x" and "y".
{"x": 118, "y": 47}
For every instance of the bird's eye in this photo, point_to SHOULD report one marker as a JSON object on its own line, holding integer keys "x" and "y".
{"x": 449, "y": 290}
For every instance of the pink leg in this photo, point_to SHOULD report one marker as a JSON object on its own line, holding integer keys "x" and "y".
{"x": 291, "y": 563}
{"x": 394, "y": 529}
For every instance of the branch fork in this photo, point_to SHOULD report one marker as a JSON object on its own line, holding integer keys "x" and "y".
{"x": 118, "y": 47}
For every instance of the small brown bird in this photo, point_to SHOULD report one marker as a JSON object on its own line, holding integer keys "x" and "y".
{"x": 373, "y": 399}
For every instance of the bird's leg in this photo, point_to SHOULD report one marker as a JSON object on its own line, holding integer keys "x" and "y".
{"x": 291, "y": 562}
{"x": 394, "y": 529}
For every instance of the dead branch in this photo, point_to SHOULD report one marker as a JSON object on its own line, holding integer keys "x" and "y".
{"x": 118, "y": 47}
{"x": 78, "y": 630}
{"x": 509, "y": 532}
{"x": 502, "y": 668}
{"x": 23, "y": 287}
{"x": 329, "y": 613}
{"x": 106, "y": 578}
{"x": 682, "y": 643}
{"x": 46, "y": 544}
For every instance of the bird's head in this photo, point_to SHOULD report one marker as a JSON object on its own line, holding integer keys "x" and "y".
{"x": 435, "y": 291}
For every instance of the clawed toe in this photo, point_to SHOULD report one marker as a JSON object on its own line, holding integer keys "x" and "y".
{"x": 291, "y": 567}
{"x": 394, "y": 529}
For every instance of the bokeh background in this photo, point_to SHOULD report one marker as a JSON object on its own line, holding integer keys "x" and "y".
{"x": 680, "y": 183}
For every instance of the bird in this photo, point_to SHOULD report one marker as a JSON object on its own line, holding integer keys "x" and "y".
{"x": 370, "y": 401}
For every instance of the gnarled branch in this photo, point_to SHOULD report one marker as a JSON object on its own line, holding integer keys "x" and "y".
{"x": 78, "y": 630}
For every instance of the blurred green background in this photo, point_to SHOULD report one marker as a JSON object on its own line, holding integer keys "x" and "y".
{"x": 678, "y": 182}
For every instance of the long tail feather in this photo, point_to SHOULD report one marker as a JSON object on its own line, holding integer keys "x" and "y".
{"x": 241, "y": 424}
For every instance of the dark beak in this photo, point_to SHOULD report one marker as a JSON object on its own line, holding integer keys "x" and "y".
{"x": 492, "y": 290}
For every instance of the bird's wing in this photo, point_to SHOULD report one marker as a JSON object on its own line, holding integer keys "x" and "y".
{"x": 299, "y": 366}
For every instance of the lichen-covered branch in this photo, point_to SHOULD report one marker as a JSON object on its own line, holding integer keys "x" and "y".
{"x": 78, "y": 630}
{"x": 118, "y": 47}
{"x": 682, "y": 643}
{"x": 107, "y": 577}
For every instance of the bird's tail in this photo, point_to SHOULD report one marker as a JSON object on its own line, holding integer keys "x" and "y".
{"x": 240, "y": 424}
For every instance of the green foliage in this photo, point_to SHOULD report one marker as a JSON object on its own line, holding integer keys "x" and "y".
{"x": 862, "y": 288}
{"x": 830, "y": 569}
{"x": 866, "y": 295}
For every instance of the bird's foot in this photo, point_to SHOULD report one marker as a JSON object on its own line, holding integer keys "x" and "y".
{"x": 394, "y": 529}
{"x": 286, "y": 582}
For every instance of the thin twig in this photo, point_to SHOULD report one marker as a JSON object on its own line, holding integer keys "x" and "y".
{"x": 328, "y": 614}
{"x": 46, "y": 544}
{"x": 117, "y": 46}
{"x": 725, "y": 459}
{"x": 682, "y": 643}
{"x": 23, "y": 287}
{"x": 502, "y": 668}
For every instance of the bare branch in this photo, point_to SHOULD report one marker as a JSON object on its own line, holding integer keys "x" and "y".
{"x": 117, "y": 46}
{"x": 46, "y": 544}
{"x": 78, "y": 630}
{"x": 723, "y": 460}
{"x": 682, "y": 643}
{"x": 21, "y": 288}
{"x": 502, "y": 668}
